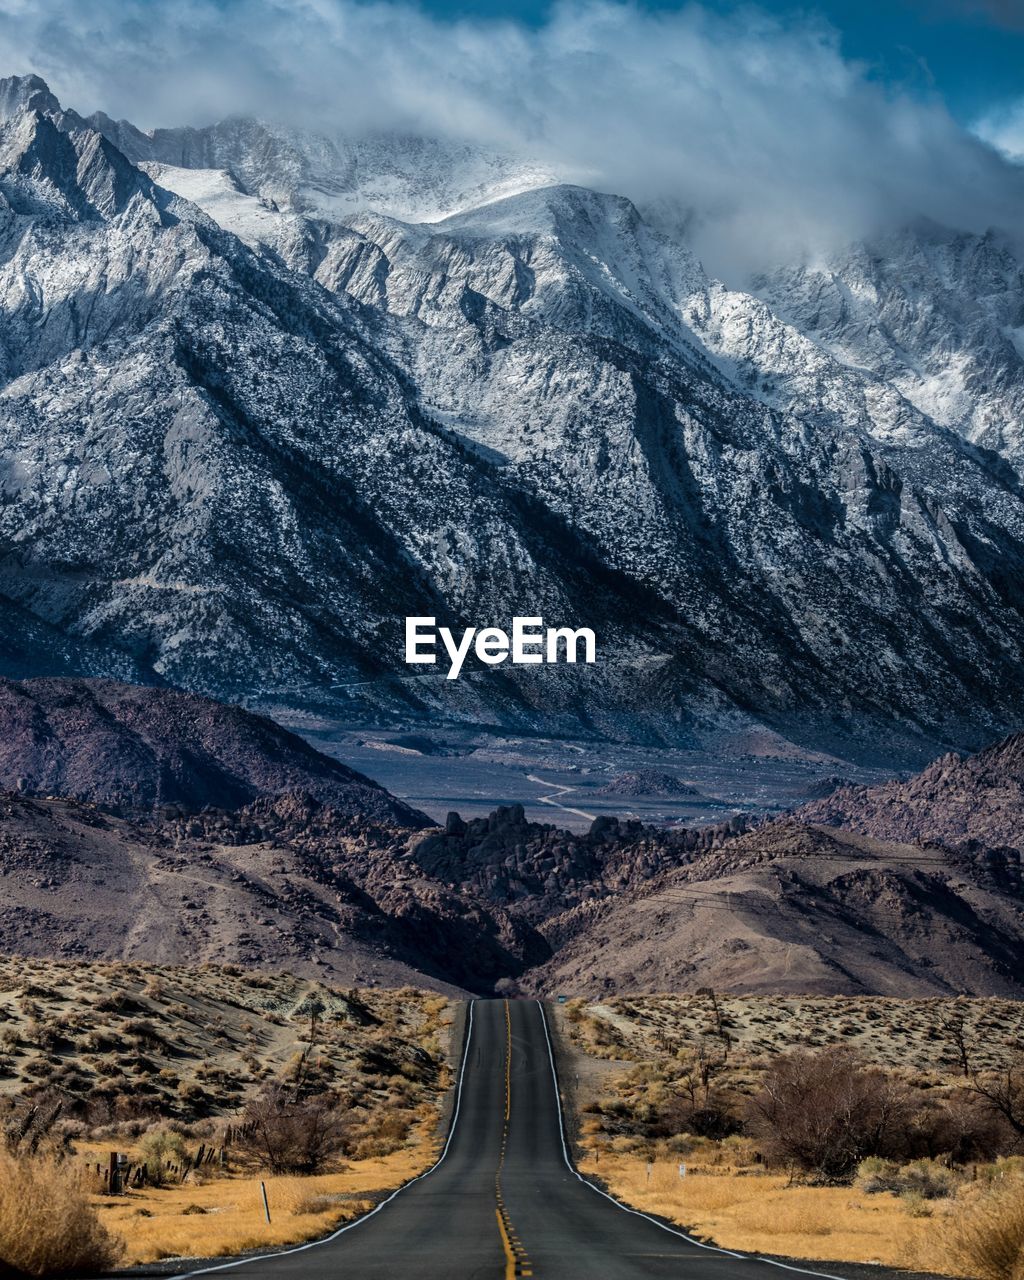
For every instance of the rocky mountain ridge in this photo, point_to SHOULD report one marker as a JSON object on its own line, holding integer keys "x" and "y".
{"x": 792, "y": 908}
{"x": 78, "y": 883}
{"x": 538, "y": 400}
{"x": 974, "y": 803}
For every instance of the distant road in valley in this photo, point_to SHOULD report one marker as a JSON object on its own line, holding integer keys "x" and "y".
{"x": 504, "y": 1200}
{"x": 554, "y": 798}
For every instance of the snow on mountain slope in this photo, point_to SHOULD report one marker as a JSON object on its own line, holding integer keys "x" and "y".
{"x": 417, "y": 179}
{"x": 536, "y": 404}
{"x": 935, "y": 314}
{"x": 218, "y": 194}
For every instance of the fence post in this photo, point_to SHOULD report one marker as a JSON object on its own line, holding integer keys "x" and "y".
{"x": 113, "y": 1181}
{"x": 266, "y": 1206}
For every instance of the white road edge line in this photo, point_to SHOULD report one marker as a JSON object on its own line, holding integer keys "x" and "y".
{"x": 748, "y": 1257}
{"x": 350, "y": 1226}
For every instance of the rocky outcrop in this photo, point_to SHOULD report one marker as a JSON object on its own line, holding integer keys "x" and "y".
{"x": 334, "y": 903}
{"x": 647, "y": 782}
{"x": 538, "y": 871}
{"x": 977, "y": 802}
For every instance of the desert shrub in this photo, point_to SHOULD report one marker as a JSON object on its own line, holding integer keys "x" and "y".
{"x": 960, "y": 1127}
{"x": 381, "y": 1135}
{"x": 49, "y": 1036}
{"x": 160, "y": 1148}
{"x": 987, "y": 1239}
{"x": 28, "y": 1125}
{"x": 143, "y": 1034}
{"x": 47, "y": 1226}
{"x": 101, "y": 1040}
{"x": 823, "y": 1113}
{"x": 919, "y": 1180}
{"x": 315, "y": 1203}
{"x": 289, "y": 1135}
{"x": 927, "y": 1179}
{"x": 707, "y": 1117}
{"x": 875, "y": 1175}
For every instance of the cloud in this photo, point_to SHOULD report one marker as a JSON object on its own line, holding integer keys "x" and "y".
{"x": 1004, "y": 130}
{"x": 760, "y": 129}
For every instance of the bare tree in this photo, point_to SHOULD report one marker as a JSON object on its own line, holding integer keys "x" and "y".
{"x": 719, "y": 1017}
{"x": 315, "y": 1007}
{"x": 955, "y": 1027}
{"x": 822, "y": 1113}
{"x": 29, "y": 1125}
{"x": 1003, "y": 1093}
{"x": 286, "y": 1134}
{"x": 698, "y": 1106}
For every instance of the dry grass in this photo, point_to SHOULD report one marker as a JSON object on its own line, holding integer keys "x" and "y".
{"x": 632, "y": 1055}
{"x": 762, "y": 1214}
{"x": 141, "y": 1052}
{"x": 986, "y": 1239}
{"x": 225, "y": 1216}
{"x": 47, "y": 1225}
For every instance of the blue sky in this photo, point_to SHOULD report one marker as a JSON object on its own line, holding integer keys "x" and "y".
{"x": 970, "y": 51}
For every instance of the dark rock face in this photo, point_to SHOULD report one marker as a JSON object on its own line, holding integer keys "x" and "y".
{"x": 536, "y": 871}
{"x": 132, "y": 748}
{"x": 977, "y": 802}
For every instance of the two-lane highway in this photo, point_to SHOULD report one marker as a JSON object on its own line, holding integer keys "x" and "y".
{"x": 504, "y": 1200}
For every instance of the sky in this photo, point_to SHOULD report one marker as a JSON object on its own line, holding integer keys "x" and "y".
{"x": 770, "y": 129}
{"x": 972, "y": 51}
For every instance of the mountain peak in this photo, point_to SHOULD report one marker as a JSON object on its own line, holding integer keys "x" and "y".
{"x": 26, "y": 93}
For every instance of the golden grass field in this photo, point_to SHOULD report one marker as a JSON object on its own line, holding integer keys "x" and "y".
{"x": 224, "y": 1216}
{"x": 763, "y": 1214}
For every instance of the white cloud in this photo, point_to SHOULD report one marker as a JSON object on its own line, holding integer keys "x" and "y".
{"x": 1004, "y": 130}
{"x": 763, "y": 129}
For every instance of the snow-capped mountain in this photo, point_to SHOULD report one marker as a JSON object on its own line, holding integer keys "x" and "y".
{"x": 264, "y": 395}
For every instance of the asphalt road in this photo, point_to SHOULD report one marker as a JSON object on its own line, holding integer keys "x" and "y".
{"x": 503, "y": 1200}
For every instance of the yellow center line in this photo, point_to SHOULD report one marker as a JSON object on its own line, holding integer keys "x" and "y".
{"x": 517, "y": 1263}
{"x": 510, "y": 1257}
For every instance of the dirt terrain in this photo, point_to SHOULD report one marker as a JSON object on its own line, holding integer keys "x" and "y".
{"x": 789, "y": 908}
{"x": 190, "y": 830}
{"x": 120, "y": 1041}
{"x": 282, "y": 884}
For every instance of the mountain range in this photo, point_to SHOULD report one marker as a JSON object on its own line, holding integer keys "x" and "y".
{"x": 264, "y": 394}
{"x": 307, "y": 867}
